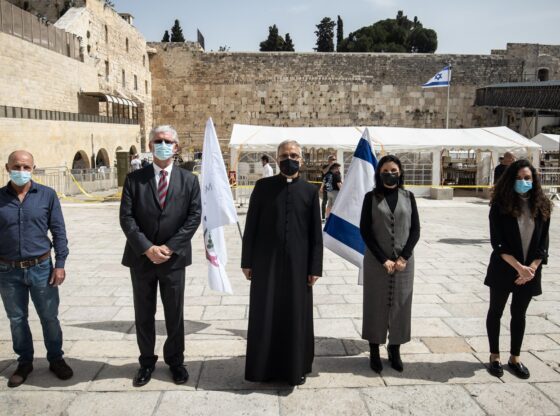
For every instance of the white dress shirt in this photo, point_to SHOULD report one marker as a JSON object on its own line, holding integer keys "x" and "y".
{"x": 158, "y": 170}
{"x": 267, "y": 171}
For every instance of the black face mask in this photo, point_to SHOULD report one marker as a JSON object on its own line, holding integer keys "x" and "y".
{"x": 389, "y": 178}
{"x": 289, "y": 167}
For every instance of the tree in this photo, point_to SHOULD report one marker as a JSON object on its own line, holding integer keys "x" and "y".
{"x": 165, "y": 36}
{"x": 325, "y": 35}
{"x": 339, "y": 32}
{"x": 422, "y": 40}
{"x": 288, "y": 43}
{"x": 177, "y": 32}
{"x": 391, "y": 35}
{"x": 223, "y": 48}
{"x": 274, "y": 42}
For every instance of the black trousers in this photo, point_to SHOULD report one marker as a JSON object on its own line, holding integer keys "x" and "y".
{"x": 519, "y": 303}
{"x": 172, "y": 290}
{"x": 324, "y": 204}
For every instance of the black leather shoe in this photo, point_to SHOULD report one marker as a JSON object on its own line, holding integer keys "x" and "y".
{"x": 61, "y": 369}
{"x": 180, "y": 374}
{"x": 301, "y": 381}
{"x": 394, "y": 355}
{"x": 495, "y": 368}
{"x": 143, "y": 376}
{"x": 20, "y": 375}
{"x": 374, "y": 358}
{"x": 519, "y": 370}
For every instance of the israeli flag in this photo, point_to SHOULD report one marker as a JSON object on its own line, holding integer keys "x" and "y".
{"x": 341, "y": 234}
{"x": 441, "y": 79}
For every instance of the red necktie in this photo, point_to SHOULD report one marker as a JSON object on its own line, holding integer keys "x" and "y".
{"x": 162, "y": 188}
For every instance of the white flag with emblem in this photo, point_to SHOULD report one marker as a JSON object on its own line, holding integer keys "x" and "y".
{"x": 218, "y": 209}
{"x": 441, "y": 79}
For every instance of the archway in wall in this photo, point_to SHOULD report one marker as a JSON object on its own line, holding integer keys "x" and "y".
{"x": 102, "y": 159}
{"x": 542, "y": 74}
{"x": 81, "y": 160}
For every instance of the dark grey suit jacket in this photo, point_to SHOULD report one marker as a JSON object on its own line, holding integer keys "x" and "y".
{"x": 144, "y": 222}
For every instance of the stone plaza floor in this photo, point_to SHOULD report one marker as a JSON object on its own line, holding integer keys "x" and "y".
{"x": 444, "y": 364}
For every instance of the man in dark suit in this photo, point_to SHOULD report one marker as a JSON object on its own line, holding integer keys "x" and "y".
{"x": 160, "y": 212}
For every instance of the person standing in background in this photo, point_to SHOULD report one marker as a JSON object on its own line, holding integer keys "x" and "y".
{"x": 267, "y": 169}
{"x": 505, "y": 161}
{"x": 323, "y": 191}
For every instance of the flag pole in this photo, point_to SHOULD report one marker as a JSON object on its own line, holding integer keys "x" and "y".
{"x": 239, "y": 228}
{"x": 448, "y": 90}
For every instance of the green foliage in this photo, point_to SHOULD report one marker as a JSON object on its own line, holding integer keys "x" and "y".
{"x": 223, "y": 48}
{"x": 274, "y": 42}
{"x": 325, "y": 35}
{"x": 339, "y": 32}
{"x": 165, "y": 36}
{"x": 551, "y": 129}
{"x": 391, "y": 35}
{"x": 177, "y": 32}
{"x": 288, "y": 43}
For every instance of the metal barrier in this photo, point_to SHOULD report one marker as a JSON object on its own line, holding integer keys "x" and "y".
{"x": 73, "y": 182}
{"x": 17, "y": 22}
{"x": 7, "y": 111}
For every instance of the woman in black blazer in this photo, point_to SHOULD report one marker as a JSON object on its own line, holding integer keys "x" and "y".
{"x": 519, "y": 222}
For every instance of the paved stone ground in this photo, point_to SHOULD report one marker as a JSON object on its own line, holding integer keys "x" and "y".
{"x": 444, "y": 364}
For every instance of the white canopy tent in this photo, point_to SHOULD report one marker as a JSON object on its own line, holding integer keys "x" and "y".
{"x": 248, "y": 138}
{"x": 549, "y": 142}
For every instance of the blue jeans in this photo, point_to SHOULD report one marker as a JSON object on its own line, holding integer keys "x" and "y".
{"x": 15, "y": 287}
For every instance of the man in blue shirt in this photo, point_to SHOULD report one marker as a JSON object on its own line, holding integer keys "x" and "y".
{"x": 27, "y": 212}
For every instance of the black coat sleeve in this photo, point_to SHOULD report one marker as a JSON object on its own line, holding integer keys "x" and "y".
{"x": 189, "y": 227}
{"x": 542, "y": 249}
{"x": 499, "y": 243}
{"x": 136, "y": 238}
{"x": 414, "y": 234}
{"x": 315, "y": 265}
{"x": 365, "y": 229}
{"x": 250, "y": 233}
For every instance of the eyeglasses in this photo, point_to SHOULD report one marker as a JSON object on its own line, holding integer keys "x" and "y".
{"x": 159, "y": 141}
{"x": 284, "y": 156}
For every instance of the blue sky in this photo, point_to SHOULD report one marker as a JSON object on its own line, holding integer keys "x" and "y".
{"x": 474, "y": 26}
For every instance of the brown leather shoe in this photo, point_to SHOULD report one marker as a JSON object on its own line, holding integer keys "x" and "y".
{"x": 61, "y": 369}
{"x": 20, "y": 375}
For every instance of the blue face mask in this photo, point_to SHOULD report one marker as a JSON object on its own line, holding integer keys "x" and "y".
{"x": 522, "y": 186}
{"x": 163, "y": 151}
{"x": 20, "y": 177}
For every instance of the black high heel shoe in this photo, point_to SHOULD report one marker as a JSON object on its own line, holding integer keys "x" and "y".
{"x": 394, "y": 355}
{"x": 374, "y": 358}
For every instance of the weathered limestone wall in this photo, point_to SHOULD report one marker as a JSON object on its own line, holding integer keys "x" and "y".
{"x": 316, "y": 89}
{"x": 35, "y": 77}
{"x": 55, "y": 143}
{"x": 112, "y": 45}
{"x": 535, "y": 57}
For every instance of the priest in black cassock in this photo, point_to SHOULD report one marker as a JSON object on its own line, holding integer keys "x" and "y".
{"x": 282, "y": 256}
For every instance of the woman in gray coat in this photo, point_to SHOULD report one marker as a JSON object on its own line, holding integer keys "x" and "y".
{"x": 390, "y": 228}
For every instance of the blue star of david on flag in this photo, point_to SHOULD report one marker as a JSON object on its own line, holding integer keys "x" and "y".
{"x": 441, "y": 79}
